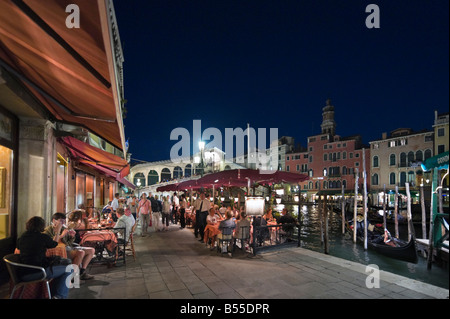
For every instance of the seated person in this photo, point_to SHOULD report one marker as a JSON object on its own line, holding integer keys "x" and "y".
{"x": 242, "y": 222}
{"x": 388, "y": 238}
{"x": 33, "y": 245}
{"x": 81, "y": 256}
{"x": 126, "y": 222}
{"x": 288, "y": 222}
{"x": 78, "y": 222}
{"x": 268, "y": 215}
{"x": 212, "y": 219}
{"x": 260, "y": 230}
{"x": 106, "y": 210}
{"x": 226, "y": 227}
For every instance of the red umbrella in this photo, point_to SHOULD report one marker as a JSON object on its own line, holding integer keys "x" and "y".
{"x": 167, "y": 188}
{"x": 283, "y": 177}
{"x": 190, "y": 184}
{"x": 236, "y": 177}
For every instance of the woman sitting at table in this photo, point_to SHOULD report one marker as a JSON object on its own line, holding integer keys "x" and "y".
{"x": 268, "y": 215}
{"x": 81, "y": 256}
{"x": 33, "y": 245}
{"x": 211, "y": 229}
{"x": 78, "y": 222}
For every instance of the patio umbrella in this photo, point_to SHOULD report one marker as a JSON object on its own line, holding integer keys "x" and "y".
{"x": 167, "y": 188}
{"x": 229, "y": 178}
{"x": 283, "y": 177}
{"x": 190, "y": 184}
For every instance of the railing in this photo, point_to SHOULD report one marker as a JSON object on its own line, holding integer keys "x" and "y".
{"x": 275, "y": 236}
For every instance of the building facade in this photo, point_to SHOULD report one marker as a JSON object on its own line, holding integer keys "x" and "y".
{"x": 331, "y": 161}
{"x": 395, "y": 159}
{"x": 62, "y": 142}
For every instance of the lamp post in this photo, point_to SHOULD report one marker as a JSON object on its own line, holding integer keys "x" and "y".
{"x": 201, "y": 146}
{"x": 138, "y": 184}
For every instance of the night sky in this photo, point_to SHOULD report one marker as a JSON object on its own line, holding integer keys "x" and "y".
{"x": 274, "y": 64}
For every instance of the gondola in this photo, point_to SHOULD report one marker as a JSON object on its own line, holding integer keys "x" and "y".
{"x": 405, "y": 251}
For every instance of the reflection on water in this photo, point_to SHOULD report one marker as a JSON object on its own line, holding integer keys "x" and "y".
{"x": 342, "y": 246}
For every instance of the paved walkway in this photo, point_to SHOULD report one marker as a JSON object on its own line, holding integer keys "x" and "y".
{"x": 175, "y": 265}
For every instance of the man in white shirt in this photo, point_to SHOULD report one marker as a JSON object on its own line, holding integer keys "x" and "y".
{"x": 115, "y": 202}
{"x": 126, "y": 222}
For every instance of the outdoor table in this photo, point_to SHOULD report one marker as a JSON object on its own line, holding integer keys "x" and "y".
{"x": 106, "y": 236}
{"x": 100, "y": 239}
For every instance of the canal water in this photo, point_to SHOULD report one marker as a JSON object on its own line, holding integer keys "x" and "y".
{"x": 342, "y": 246}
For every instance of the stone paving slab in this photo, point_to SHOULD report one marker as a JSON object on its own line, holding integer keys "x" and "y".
{"x": 174, "y": 265}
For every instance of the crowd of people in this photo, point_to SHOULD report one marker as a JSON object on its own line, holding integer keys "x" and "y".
{"x": 120, "y": 216}
{"x": 159, "y": 213}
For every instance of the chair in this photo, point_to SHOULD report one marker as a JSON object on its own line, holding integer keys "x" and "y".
{"x": 243, "y": 236}
{"x": 13, "y": 265}
{"x": 225, "y": 237}
{"x": 130, "y": 243}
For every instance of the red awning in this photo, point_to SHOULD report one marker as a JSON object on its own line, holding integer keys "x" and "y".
{"x": 70, "y": 70}
{"x": 107, "y": 163}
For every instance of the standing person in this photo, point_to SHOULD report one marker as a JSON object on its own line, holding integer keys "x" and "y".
{"x": 145, "y": 212}
{"x": 33, "y": 245}
{"x": 80, "y": 256}
{"x": 165, "y": 213}
{"x": 132, "y": 205}
{"x": 205, "y": 205}
{"x": 156, "y": 211}
{"x": 183, "y": 211}
{"x": 197, "y": 204}
{"x": 115, "y": 202}
{"x": 175, "y": 206}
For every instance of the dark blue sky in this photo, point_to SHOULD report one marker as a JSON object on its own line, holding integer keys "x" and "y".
{"x": 274, "y": 64}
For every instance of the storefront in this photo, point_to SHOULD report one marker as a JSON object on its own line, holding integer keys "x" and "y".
{"x": 8, "y": 178}
{"x": 55, "y": 83}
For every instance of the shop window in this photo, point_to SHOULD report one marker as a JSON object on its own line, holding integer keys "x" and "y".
{"x": 6, "y": 169}
{"x": 61, "y": 182}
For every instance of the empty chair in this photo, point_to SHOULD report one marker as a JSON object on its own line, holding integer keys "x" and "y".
{"x": 130, "y": 243}
{"x": 34, "y": 274}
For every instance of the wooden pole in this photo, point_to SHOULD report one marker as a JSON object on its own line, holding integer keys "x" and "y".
{"x": 321, "y": 218}
{"x": 343, "y": 211}
{"x": 355, "y": 209}
{"x": 365, "y": 198}
{"x": 385, "y": 198}
{"x": 396, "y": 212}
{"x": 408, "y": 211}
{"x": 325, "y": 216}
{"x": 433, "y": 212}
{"x": 424, "y": 215}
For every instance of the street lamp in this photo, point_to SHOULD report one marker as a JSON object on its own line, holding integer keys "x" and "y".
{"x": 138, "y": 184}
{"x": 201, "y": 146}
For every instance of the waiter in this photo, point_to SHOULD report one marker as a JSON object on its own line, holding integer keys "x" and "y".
{"x": 204, "y": 206}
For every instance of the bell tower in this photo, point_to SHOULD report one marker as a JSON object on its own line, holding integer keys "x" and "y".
{"x": 328, "y": 124}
